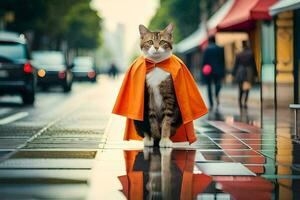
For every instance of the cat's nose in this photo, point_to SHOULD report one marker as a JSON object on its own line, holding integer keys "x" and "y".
{"x": 156, "y": 48}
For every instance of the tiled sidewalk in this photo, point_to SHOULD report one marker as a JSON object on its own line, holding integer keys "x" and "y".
{"x": 232, "y": 159}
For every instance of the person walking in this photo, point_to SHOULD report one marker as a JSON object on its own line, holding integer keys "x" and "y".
{"x": 213, "y": 69}
{"x": 244, "y": 73}
{"x": 113, "y": 70}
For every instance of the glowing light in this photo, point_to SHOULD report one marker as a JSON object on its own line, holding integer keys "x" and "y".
{"x": 27, "y": 68}
{"x": 41, "y": 73}
{"x": 91, "y": 74}
{"x": 61, "y": 74}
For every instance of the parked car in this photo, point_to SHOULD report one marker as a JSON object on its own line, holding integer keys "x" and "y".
{"x": 84, "y": 69}
{"x": 17, "y": 75}
{"x": 53, "y": 70}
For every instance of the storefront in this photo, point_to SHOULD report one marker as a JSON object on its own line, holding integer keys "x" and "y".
{"x": 246, "y": 16}
{"x": 268, "y": 94}
{"x": 190, "y": 49}
{"x": 286, "y": 16}
{"x": 297, "y": 56}
{"x": 252, "y": 17}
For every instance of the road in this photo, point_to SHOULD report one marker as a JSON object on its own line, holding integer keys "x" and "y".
{"x": 69, "y": 146}
{"x": 47, "y": 150}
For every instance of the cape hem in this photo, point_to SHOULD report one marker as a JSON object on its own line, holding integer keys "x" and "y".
{"x": 190, "y": 142}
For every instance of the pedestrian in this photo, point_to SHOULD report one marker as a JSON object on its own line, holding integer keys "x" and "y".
{"x": 113, "y": 70}
{"x": 213, "y": 69}
{"x": 244, "y": 73}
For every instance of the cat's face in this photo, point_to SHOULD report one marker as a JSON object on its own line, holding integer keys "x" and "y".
{"x": 156, "y": 46}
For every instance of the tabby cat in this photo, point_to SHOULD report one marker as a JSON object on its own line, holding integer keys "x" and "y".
{"x": 161, "y": 112}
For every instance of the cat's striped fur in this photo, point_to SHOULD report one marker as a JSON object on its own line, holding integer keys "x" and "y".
{"x": 161, "y": 111}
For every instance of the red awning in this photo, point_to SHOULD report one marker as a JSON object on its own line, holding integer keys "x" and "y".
{"x": 244, "y": 13}
{"x": 261, "y": 10}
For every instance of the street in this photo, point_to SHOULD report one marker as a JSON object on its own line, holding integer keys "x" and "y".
{"x": 69, "y": 146}
{"x": 47, "y": 150}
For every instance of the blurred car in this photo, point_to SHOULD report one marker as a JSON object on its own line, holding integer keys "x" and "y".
{"x": 17, "y": 75}
{"x": 84, "y": 69}
{"x": 53, "y": 70}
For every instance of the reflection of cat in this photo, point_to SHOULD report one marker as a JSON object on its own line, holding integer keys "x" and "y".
{"x": 162, "y": 173}
{"x": 166, "y": 173}
{"x": 161, "y": 112}
{"x": 159, "y": 183}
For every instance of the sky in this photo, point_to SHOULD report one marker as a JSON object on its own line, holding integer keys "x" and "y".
{"x": 130, "y": 13}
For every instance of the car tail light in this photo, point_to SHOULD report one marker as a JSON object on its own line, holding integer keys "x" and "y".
{"x": 91, "y": 74}
{"x": 27, "y": 68}
{"x": 61, "y": 74}
{"x": 41, "y": 73}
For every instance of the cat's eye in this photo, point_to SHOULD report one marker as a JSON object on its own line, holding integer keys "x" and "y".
{"x": 150, "y": 42}
{"x": 162, "y": 42}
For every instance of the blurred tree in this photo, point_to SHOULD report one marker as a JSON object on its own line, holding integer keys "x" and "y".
{"x": 53, "y": 26}
{"x": 26, "y": 13}
{"x": 53, "y": 23}
{"x": 186, "y": 15}
{"x": 82, "y": 26}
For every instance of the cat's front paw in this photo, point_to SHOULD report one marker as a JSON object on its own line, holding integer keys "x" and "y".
{"x": 165, "y": 143}
{"x": 148, "y": 141}
{"x": 147, "y": 152}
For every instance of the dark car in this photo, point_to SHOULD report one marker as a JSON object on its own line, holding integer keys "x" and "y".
{"x": 53, "y": 70}
{"x": 17, "y": 75}
{"x": 84, "y": 69}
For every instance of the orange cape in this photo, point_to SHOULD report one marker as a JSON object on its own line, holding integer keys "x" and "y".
{"x": 191, "y": 184}
{"x": 130, "y": 100}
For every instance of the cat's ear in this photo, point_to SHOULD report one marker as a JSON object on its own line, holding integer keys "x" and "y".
{"x": 143, "y": 30}
{"x": 169, "y": 28}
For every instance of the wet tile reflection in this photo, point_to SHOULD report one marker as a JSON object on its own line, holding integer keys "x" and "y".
{"x": 162, "y": 174}
{"x": 233, "y": 158}
{"x": 215, "y": 156}
{"x": 270, "y": 152}
{"x": 155, "y": 173}
{"x": 245, "y": 187}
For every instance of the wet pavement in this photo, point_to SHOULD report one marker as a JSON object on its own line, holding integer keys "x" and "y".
{"x": 49, "y": 153}
{"x": 74, "y": 150}
{"x": 230, "y": 160}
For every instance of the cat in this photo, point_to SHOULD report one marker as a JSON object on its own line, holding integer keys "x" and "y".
{"x": 162, "y": 115}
